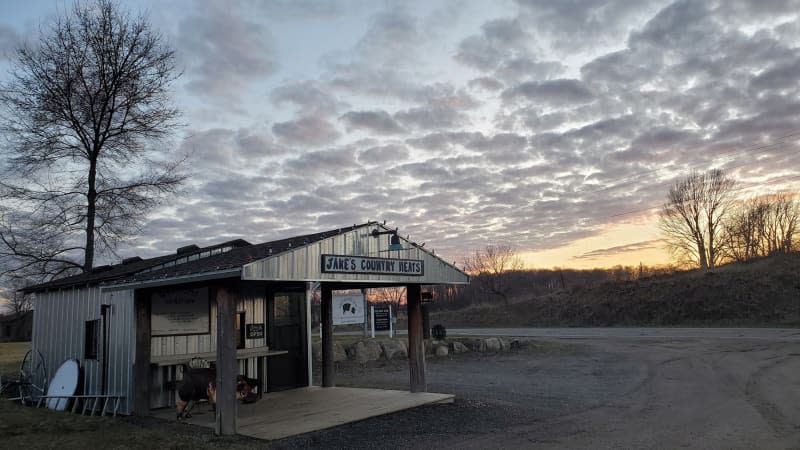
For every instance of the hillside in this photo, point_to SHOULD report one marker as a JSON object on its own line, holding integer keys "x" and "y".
{"x": 760, "y": 293}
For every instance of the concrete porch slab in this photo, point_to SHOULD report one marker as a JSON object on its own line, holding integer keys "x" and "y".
{"x": 297, "y": 411}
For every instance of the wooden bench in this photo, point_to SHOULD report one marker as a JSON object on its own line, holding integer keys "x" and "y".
{"x": 261, "y": 353}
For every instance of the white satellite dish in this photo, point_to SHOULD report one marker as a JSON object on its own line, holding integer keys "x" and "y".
{"x": 64, "y": 382}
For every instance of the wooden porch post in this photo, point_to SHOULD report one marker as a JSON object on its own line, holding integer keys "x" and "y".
{"x": 226, "y": 361}
{"x": 326, "y": 322}
{"x": 416, "y": 344}
{"x": 141, "y": 364}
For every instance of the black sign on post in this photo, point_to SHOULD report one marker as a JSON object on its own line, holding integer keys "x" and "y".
{"x": 254, "y": 330}
{"x": 382, "y": 318}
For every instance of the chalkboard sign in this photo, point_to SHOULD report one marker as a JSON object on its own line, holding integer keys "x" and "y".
{"x": 255, "y": 330}
{"x": 382, "y": 318}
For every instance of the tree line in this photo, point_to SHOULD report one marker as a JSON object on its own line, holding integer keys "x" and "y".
{"x": 704, "y": 224}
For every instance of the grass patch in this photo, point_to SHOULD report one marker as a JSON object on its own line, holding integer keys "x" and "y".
{"x": 11, "y": 354}
{"x": 26, "y": 427}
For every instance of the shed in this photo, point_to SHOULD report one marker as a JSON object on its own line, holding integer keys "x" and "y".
{"x": 246, "y": 306}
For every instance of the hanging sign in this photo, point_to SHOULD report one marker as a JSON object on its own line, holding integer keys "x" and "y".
{"x": 348, "y": 309}
{"x": 372, "y": 266}
{"x": 254, "y": 330}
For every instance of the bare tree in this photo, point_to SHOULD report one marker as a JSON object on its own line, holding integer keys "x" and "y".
{"x": 83, "y": 112}
{"x": 491, "y": 267}
{"x": 13, "y": 299}
{"x": 392, "y": 295}
{"x": 691, "y": 218}
{"x": 762, "y": 226}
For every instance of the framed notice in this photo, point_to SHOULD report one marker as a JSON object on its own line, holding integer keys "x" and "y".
{"x": 180, "y": 312}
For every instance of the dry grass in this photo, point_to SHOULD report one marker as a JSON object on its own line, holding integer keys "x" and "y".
{"x": 11, "y": 354}
{"x": 761, "y": 293}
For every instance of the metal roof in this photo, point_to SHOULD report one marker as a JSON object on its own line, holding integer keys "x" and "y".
{"x": 185, "y": 265}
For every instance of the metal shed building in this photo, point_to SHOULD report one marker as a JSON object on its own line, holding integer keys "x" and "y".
{"x": 132, "y": 325}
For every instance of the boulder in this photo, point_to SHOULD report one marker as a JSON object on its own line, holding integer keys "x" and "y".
{"x": 316, "y": 351}
{"x": 491, "y": 345}
{"x": 339, "y": 352}
{"x": 457, "y": 347}
{"x": 441, "y": 351}
{"x": 475, "y": 345}
{"x": 505, "y": 344}
{"x": 394, "y": 348}
{"x": 366, "y": 351}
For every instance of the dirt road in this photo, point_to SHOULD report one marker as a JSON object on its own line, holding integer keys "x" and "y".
{"x": 601, "y": 392}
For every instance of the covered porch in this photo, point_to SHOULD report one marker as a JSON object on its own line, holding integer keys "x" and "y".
{"x": 287, "y": 413}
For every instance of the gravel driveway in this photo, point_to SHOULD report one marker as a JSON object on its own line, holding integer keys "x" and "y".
{"x": 613, "y": 392}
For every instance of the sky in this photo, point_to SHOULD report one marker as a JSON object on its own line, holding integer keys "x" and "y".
{"x": 555, "y": 127}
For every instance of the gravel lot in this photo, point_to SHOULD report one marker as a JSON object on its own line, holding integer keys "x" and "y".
{"x": 597, "y": 392}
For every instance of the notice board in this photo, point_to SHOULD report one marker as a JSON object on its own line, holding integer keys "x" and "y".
{"x": 179, "y": 312}
{"x": 382, "y": 318}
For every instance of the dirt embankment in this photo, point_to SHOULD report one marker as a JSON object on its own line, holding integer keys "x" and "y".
{"x": 760, "y": 293}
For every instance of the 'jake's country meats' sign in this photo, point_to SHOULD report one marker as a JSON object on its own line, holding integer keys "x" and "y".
{"x": 377, "y": 266}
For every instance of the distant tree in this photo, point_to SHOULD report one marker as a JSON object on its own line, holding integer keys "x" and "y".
{"x": 490, "y": 268}
{"x": 391, "y": 295}
{"x": 692, "y": 216}
{"x": 762, "y": 226}
{"x": 15, "y": 301}
{"x": 81, "y": 112}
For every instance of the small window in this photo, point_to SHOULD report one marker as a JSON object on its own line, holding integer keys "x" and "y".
{"x": 90, "y": 339}
{"x": 240, "y": 329}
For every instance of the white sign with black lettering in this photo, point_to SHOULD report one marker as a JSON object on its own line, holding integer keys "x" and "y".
{"x": 367, "y": 265}
{"x": 348, "y": 309}
{"x": 180, "y": 312}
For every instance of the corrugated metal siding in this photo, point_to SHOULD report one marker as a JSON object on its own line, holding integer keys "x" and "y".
{"x": 58, "y": 334}
{"x": 303, "y": 263}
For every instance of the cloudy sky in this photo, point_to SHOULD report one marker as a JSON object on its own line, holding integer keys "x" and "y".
{"x": 552, "y": 126}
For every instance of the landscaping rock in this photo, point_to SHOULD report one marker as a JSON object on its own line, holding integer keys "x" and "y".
{"x": 394, "y": 348}
{"x": 505, "y": 344}
{"x": 339, "y": 352}
{"x": 475, "y": 345}
{"x": 366, "y": 351}
{"x": 491, "y": 345}
{"x": 457, "y": 347}
{"x": 441, "y": 351}
{"x": 316, "y": 351}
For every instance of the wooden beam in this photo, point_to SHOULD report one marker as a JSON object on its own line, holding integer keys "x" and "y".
{"x": 326, "y": 322}
{"x": 416, "y": 344}
{"x": 227, "y": 369}
{"x": 141, "y": 364}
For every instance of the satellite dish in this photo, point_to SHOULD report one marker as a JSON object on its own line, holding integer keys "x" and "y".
{"x": 64, "y": 382}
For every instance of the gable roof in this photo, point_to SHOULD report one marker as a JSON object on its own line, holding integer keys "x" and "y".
{"x": 232, "y": 255}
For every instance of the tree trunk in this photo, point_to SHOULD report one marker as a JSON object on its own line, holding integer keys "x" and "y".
{"x": 91, "y": 210}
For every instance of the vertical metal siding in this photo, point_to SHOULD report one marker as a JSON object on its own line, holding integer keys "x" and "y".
{"x": 303, "y": 263}
{"x": 251, "y": 302}
{"x": 59, "y": 335}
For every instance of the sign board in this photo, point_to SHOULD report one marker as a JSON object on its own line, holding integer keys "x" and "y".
{"x": 382, "y": 318}
{"x": 180, "y": 312}
{"x": 372, "y": 266}
{"x": 254, "y": 330}
{"x": 348, "y": 309}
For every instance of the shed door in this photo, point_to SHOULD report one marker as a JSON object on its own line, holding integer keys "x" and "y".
{"x": 286, "y": 332}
